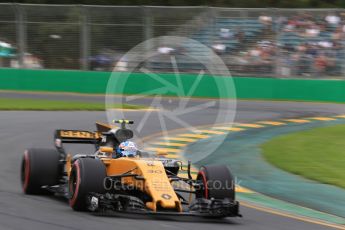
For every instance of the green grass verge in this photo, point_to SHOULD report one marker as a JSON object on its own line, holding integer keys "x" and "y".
{"x": 42, "y": 105}
{"x": 317, "y": 154}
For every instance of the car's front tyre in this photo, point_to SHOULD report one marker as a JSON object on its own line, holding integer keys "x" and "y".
{"x": 87, "y": 175}
{"x": 216, "y": 182}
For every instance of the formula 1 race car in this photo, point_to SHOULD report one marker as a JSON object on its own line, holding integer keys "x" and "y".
{"x": 134, "y": 182}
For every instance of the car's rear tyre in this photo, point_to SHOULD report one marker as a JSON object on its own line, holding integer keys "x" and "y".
{"x": 87, "y": 175}
{"x": 216, "y": 182}
{"x": 39, "y": 167}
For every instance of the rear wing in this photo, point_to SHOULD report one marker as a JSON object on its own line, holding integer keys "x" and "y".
{"x": 75, "y": 137}
{"x": 88, "y": 137}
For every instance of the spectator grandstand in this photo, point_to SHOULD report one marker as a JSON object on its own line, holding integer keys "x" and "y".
{"x": 302, "y": 44}
{"x": 260, "y": 42}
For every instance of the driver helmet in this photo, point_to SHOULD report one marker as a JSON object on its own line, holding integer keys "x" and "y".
{"x": 127, "y": 149}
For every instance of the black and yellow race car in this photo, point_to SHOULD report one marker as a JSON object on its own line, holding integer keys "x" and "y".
{"x": 105, "y": 182}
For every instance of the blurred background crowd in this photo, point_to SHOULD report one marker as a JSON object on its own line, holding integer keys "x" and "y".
{"x": 262, "y": 42}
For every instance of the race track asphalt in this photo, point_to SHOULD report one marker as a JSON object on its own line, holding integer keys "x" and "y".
{"x": 24, "y": 129}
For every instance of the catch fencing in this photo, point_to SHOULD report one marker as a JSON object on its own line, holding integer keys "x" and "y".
{"x": 305, "y": 43}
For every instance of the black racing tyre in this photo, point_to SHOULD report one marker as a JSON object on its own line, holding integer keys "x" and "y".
{"x": 216, "y": 182}
{"x": 87, "y": 175}
{"x": 40, "y": 167}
